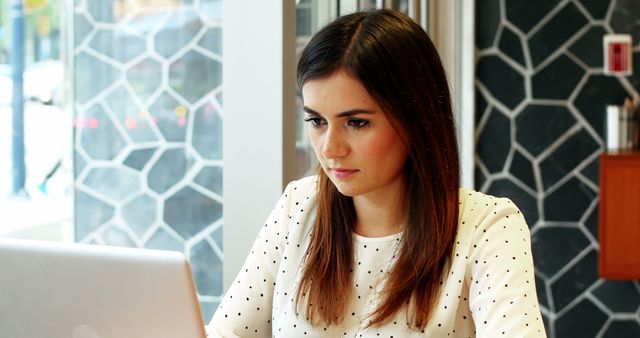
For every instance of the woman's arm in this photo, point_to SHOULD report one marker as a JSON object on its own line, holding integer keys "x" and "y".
{"x": 245, "y": 310}
{"x": 502, "y": 292}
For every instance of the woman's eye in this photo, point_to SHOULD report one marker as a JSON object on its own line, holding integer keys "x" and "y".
{"x": 357, "y": 123}
{"x": 315, "y": 121}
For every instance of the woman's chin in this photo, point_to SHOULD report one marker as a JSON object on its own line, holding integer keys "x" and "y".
{"x": 345, "y": 188}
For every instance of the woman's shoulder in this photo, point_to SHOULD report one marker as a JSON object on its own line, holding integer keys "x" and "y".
{"x": 299, "y": 194}
{"x": 304, "y": 189}
{"x": 473, "y": 197}
{"x": 483, "y": 218}
{"x": 476, "y": 206}
{"x": 305, "y": 184}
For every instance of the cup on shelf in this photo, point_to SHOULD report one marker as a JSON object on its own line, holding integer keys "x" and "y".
{"x": 622, "y": 127}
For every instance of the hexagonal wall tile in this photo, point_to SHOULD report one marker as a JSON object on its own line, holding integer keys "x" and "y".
{"x": 188, "y": 212}
{"x": 508, "y": 88}
{"x": 194, "y": 75}
{"x": 133, "y": 118}
{"x": 208, "y": 269}
{"x": 494, "y": 142}
{"x": 99, "y": 137}
{"x": 169, "y": 169}
{"x": 140, "y": 213}
{"x": 115, "y": 183}
{"x": 178, "y": 31}
{"x": 538, "y": 126}
{"x": 118, "y": 44}
{"x": 88, "y": 84}
{"x": 144, "y": 77}
{"x": 207, "y": 132}
{"x": 93, "y": 213}
{"x": 171, "y": 117}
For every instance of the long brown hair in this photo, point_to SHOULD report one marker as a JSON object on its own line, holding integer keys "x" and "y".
{"x": 398, "y": 65}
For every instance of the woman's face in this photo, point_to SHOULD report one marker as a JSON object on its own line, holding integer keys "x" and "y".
{"x": 358, "y": 148}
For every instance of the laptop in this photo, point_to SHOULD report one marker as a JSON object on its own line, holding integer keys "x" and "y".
{"x": 64, "y": 290}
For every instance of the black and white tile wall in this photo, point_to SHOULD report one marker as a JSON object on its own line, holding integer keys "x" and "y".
{"x": 541, "y": 96}
{"x": 148, "y": 130}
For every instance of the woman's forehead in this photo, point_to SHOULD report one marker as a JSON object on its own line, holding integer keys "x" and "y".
{"x": 338, "y": 87}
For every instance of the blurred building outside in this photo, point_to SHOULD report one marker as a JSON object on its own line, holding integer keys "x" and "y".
{"x": 45, "y": 211}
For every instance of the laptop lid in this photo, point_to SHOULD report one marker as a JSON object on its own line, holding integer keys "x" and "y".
{"x": 63, "y": 290}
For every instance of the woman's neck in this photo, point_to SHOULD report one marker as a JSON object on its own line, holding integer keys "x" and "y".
{"x": 379, "y": 215}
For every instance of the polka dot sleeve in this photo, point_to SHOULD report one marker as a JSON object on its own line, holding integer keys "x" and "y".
{"x": 502, "y": 294}
{"x": 245, "y": 310}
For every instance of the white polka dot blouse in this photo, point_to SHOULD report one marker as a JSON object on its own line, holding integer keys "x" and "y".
{"x": 488, "y": 290}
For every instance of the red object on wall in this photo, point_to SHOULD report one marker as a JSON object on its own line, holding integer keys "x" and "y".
{"x": 619, "y": 223}
{"x": 618, "y": 57}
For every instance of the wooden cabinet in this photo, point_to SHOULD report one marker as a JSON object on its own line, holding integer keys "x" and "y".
{"x": 619, "y": 223}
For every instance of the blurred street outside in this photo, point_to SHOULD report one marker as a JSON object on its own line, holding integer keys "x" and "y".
{"x": 46, "y": 211}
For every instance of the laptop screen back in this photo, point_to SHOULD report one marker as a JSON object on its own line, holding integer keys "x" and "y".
{"x": 87, "y": 291}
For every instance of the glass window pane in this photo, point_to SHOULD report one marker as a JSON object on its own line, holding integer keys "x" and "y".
{"x": 148, "y": 129}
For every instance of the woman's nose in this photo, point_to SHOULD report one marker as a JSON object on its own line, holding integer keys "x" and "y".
{"x": 335, "y": 145}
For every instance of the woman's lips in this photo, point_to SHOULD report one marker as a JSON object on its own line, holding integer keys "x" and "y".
{"x": 343, "y": 173}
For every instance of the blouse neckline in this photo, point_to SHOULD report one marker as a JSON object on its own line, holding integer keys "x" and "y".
{"x": 387, "y": 238}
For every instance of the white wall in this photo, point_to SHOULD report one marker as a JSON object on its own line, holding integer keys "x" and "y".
{"x": 259, "y": 118}
{"x": 451, "y": 27}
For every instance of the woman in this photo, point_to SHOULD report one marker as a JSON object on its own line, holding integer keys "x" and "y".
{"x": 382, "y": 242}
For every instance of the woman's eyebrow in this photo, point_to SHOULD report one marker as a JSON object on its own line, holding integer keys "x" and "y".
{"x": 310, "y": 111}
{"x": 347, "y": 113}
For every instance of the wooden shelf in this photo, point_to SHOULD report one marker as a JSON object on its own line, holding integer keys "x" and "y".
{"x": 619, "y": 220}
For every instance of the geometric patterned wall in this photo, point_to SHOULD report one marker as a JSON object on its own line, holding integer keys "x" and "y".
{"x": 541, "y": 97}
{"x": 147, "y": 90}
